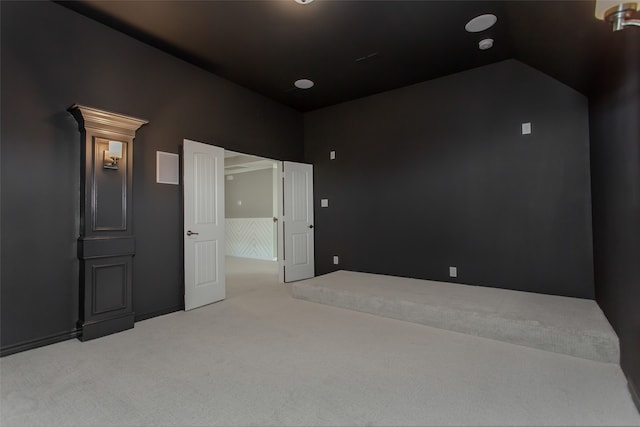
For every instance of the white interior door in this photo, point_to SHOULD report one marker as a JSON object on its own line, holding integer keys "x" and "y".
{"x": 204, "y": 246}
{"x": 298, "y": 221}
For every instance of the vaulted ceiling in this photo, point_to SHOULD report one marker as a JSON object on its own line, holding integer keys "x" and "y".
{"x": 357, "y": 48}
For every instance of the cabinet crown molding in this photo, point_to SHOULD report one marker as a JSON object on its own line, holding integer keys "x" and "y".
{"x": 100, "y": 120}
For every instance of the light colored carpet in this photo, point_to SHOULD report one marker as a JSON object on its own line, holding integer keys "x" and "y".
{"x": 564, "y": 325}
{"x": 264, "y": 358}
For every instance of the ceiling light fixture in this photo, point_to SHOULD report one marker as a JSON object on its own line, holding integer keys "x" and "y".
{"x": 303, "y": 84}
{"x": 618, "y": 13}
{"x": 485, "y": 44}
{"x": 303, "y": 1}
{"x": 481, "y": 23}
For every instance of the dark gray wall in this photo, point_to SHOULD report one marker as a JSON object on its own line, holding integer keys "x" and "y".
{"x": 615, "y": 180}
{"x": 254, "y": 189}
{"x": 438, "y": 174}
{"x": 52, "y": 58}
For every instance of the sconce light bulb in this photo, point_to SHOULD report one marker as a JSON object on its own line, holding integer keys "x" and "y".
{"x": 112, "y": 154}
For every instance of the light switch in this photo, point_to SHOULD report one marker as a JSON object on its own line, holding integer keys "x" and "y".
{"x": 239, "y": 202}
{"x": 453, "y": 271}
{"x": 526, "y": 128}
{"x": 229, "y": 177}
{"x": 332, "y": 155}
{"x": 336, "y": 260}
{"x": 324, "y": 203}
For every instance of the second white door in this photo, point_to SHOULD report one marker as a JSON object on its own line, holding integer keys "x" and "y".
{"x": 298, "y": 221}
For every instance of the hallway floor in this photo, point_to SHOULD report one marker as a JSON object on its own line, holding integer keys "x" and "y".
{"x": 262, "y": 357}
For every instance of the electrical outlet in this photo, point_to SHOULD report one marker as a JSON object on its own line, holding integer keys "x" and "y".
{"x": 332, "y": 155}
{"x": 526, "y": 128}
{"x": 336, "y": 260}
{"x": 453, "y": 271}
{"x": 324, "y": 203}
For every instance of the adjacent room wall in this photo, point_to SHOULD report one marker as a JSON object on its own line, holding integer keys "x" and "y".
{"x": 254, "y": 189}
{"x": 52, "y": 58}
{"x": 615, "y": 176}
{"x": 250, "y": 231}
{"x": 438, "y": 174}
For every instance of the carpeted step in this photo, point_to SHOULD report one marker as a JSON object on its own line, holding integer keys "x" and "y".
{"x": 572, "y": 326}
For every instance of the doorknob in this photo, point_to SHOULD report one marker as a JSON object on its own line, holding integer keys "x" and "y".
{"x": 191, "y": 233}
{"x": 275, "y": 219}
{"x": 310, "y": 225}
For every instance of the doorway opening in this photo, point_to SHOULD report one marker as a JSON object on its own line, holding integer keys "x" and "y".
{"x": 251, "y": 215}
{"x": 270, "y": 220}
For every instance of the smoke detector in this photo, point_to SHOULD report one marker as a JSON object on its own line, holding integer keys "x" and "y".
{"x": 485, "y": 44}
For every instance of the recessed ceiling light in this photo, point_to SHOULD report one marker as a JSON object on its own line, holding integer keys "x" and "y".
{"x": 303, "y": 1}
{"x": 481, "y": 23}
{"x": 303, "y": 84}
{"x": 485, "y": 44}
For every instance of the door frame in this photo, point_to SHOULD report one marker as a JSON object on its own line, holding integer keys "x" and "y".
{"x": 280, "y": 222}
{"x": 279, "y": 187}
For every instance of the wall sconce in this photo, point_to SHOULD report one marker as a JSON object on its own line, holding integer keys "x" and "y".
{"x": 619, "y": 13}
{"x": 112, "y": 155}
